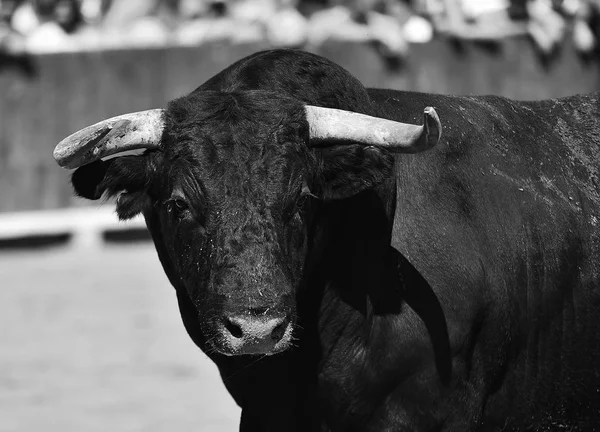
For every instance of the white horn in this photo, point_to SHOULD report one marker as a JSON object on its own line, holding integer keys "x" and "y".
{"x": 131, "y": 131}
{"x": 328, "y": 124}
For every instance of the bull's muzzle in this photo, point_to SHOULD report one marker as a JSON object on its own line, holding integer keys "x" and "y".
{"x": 250, "y": 334}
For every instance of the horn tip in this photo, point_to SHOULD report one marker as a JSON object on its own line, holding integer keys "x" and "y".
{"x": 60, "y": 154}
{"x": 433, "y": 124}
{"x": 431, "y": 114}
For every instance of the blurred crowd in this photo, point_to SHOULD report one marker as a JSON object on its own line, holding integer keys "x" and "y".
{"x": 38, "y": 26}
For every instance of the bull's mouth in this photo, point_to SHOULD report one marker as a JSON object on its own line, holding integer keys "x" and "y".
{"x": 252, "y": 335}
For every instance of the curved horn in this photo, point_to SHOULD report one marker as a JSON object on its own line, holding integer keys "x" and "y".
{"x": 339, "y": 125}
{"x": 131, "y": 131}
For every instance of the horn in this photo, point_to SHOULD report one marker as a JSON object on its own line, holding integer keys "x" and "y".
{"x": 138, "y": 130}
{"x": 339, "y": 125}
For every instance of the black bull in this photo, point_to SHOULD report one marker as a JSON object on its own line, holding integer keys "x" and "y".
{"x": 451, "y": 290}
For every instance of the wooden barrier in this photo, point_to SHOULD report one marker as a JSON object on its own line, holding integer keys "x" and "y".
{"x": 84, "y": 226}
{"x": 65, "y": 92}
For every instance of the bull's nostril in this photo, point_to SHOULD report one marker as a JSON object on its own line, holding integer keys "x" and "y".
{"x": 235, "y": 330}
{"x": 279, "y": 331}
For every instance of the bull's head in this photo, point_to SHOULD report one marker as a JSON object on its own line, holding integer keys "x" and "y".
{"x": 223, "y": 184}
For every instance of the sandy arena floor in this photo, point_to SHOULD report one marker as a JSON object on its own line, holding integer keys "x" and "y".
{"x": 92, "y": 341}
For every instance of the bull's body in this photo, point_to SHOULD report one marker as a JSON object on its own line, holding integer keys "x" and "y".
{"x": 459, "y": 294}
{"x": 501, "y": 220}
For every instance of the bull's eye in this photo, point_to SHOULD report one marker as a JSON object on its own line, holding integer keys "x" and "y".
{"x": 299, "y": 207}
{"x": 303, "y": 198}
{"x": 301, "y": 201}
{"x": 177, "y": 208}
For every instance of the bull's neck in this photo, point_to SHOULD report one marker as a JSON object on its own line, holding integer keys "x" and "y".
{"x": 350, "y": 257}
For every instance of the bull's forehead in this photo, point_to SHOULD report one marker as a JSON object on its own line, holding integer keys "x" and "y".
{"x": 240, "y": 169}
{"x": 245, "y": 150}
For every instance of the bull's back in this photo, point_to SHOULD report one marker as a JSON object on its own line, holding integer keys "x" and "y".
{"x": 502, "y": 220}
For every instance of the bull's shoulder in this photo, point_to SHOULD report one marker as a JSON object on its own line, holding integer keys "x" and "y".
{"x": 538, "y": 130}
{"x": 550, "y": 146}
{"x": 462, "y": 116}
{"x": 481, "y": 112}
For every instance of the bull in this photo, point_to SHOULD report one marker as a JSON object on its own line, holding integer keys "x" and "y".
{"x": 348, "y": 267}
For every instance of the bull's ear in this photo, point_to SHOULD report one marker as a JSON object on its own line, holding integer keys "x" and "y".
{"x": 127, "y": 177}
{"x": 349, "y": 169}
{"x": 87, "y": 179}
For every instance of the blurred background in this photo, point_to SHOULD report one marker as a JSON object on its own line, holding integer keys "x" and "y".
{"x": 90, "y": 334}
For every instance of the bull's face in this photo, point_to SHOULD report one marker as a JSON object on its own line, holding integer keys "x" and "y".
{"x": 223, "y": 188}
{"x": 234, "y": 178}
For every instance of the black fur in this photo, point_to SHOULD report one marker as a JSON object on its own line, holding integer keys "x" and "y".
{"x": 453, "y": 290}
